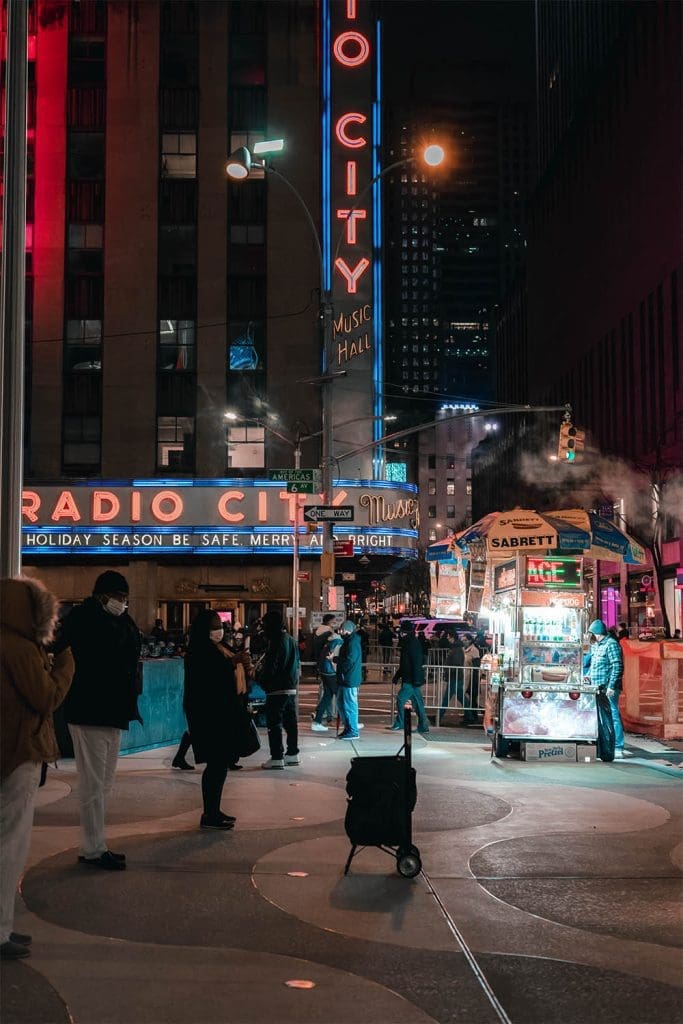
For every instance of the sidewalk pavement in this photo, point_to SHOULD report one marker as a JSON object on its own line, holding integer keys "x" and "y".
{"x": 549, "y": 893}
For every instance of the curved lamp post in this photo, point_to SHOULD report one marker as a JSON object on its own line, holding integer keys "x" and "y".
{"x": 237, "y": 167}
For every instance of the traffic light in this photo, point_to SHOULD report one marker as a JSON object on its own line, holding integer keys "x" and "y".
{"x": 571, "y": 443}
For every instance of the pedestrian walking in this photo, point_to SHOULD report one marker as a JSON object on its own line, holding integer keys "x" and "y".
{"x": 410, "y": 674}
{"x": 349, "y": 678}
{"x": 101, "y": 703}
{"x": 32, "y": 685}
{"x": 385, "y": 639}
{"x": 472, "y": 668}
{"x": 455, "y": 663}
{"x": 607, "y": 669}
{"x": 211, "y": 706}
{"x": 279, "y": 677}
{"x": 327, "y": 668}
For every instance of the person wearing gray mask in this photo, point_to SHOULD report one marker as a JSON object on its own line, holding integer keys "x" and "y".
{"x": 102, "y": 701}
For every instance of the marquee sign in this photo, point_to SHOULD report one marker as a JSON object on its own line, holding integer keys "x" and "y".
{"x": 207, "y": 517}
{"x": 351, "y": 214}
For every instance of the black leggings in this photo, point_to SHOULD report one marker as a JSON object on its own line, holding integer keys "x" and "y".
{"x": 213, "y": 780}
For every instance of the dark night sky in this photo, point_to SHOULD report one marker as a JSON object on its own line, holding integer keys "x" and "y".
{"x": 481, "y": 50}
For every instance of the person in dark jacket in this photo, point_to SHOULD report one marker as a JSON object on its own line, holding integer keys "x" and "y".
{"x": 279, "y": 677}
{"x": 349, "y": 678}
{"x": 32, "y": 685}
{"x": 102, "y": 701}
{"x": 454, "y": 663}
{"x": 385, "y": 639}
{"x": 211, "y": 704}
{"x": 410, "y": 674}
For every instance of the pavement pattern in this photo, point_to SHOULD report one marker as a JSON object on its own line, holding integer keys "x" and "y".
{"x": 549, "y": 893}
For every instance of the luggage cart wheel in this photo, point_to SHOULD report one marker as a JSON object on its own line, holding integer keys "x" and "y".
{"x": 408, "y": 862}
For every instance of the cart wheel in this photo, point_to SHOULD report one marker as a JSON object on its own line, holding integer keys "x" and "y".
{"x": 501, "y": 746}
{"x": 408, "y": 862}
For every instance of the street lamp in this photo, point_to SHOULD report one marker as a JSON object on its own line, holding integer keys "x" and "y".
{"x": 237, "y": 167}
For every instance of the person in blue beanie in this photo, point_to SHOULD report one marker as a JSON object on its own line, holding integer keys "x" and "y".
{"x": 607, "y": 669}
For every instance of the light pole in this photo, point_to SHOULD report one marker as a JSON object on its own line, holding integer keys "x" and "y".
{"x": 237, "y": 168}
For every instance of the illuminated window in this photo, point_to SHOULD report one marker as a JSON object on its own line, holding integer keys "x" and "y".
{"x": 468, "y": 489}
{"x": 82, "y": 351}
{"x": 176, "y": 345}
{"x": 432, "y": 534}
{"x": 450, "y": 511}
{"x": 450, "y": 486}
{"x": 431, "y": 511}
{"x": 397, "y": 471}
{"x": 175, "y": 442}
{"x": 431, "y": 486}
{"x": 246, "y": 447}
{"x": 179, "y": 155}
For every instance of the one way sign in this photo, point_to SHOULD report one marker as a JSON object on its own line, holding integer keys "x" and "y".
{"x": 334, "y": 513}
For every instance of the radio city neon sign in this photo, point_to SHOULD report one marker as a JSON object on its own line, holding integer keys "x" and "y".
{"x": 164, "y": 506}
{"x": 351, "y": 49}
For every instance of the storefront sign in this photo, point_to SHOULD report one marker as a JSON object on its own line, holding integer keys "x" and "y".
{"x": 550, "y": 599}
{"x": 505, "y": 576}
{"x": 229, "y": 516}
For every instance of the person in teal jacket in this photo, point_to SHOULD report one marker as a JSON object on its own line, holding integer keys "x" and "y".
{"x": 411, "y": 674}
{"x": 349, "y": 678}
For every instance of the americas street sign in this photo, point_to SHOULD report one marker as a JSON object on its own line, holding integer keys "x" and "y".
{"x": 329, "y": 513}
{"x": 296, "y": 476}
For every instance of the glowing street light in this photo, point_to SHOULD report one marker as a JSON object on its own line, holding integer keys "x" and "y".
{"x": 434, "y": 155}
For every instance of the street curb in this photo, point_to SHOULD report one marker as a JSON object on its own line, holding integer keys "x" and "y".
{"x": 647, "y": 763}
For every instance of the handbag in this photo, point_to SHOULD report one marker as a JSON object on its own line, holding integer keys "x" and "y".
{"x": 249, "y": 740}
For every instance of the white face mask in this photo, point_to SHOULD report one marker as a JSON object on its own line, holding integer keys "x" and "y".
{"x": 215, "y": 635}
{"x": 115, "y": 607}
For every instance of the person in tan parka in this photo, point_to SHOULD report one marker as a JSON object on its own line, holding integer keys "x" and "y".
{"x": 32, "y": 685}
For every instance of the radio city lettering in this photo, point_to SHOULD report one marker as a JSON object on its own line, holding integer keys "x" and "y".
{"x": 345, "y": 324}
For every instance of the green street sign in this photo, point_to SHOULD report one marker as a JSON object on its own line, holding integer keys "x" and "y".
{"x": 303, "y": 488}
{"x": 296, "y": 476}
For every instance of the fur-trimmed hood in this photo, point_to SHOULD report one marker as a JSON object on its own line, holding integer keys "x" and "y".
{"x": 27, "y": 608}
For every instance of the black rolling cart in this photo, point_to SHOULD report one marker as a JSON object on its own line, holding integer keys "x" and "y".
{"x": 382, "y": 793}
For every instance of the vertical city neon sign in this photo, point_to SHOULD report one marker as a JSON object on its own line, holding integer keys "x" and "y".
{"x": 350, "y": 216}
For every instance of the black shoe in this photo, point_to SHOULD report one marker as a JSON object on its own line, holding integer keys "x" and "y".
{"x": 235, "y": 767}
{"x": 107, "y": 861}
{"x": 181, "y": 763}
{"x": 21, "y": 940}
{"x": 227, "y": 817}
{"x": 222, "y": 824}
{"x": 13, "y": 950}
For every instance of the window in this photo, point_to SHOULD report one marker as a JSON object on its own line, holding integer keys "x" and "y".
{"x": 450, "y": 511}
{"x": 247, "y": 234}
{"x": 246, "y": 447}
{"x": 179, "y": 155}
{"x": 431, "y": 462}
{"x": 397, "y": 471}
{"x": 450, "y": 462}
{"x": 431, "y": 511}
{"x": 85, "y": 236}
{"x": 83, "y": 352}
{"x": 175, "y": 442}
{"x": 431, "y": 486}
{"x": 176, "y": 345}
{"x": 81, "y": 442}
{"x": 468, "y": 489}
{"x": 86, "y": 155}
{"x": 177, "y": 250}
{"x": 450, "y": 485}
{"x": 432, "y": 535}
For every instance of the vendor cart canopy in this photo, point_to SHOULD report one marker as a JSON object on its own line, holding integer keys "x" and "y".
{"x": 522, "y": 531}
{"x": 607, "y": 541}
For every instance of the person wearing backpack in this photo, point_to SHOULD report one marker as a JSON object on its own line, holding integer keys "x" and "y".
{"x": 279, "y": 677}
{"x": 327, "y": 667}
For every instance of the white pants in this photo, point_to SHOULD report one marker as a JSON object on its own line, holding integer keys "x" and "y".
{"x": 17, "y": 799}
{"x": 97, "y": 749}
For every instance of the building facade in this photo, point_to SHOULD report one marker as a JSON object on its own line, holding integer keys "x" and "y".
{"x": 172, "y": 315}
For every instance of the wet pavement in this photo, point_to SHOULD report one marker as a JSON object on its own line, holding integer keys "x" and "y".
{"x": 550, "y": 892}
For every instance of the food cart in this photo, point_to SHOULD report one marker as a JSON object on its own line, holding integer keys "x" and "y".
{"x": 538, "y": 697}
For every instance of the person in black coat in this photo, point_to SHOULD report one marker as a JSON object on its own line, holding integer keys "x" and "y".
{"x": 455, "y": 663}
{"x": 212, "y": 709}
{"x": 102, "y": 701}
{"x": 410, "y": 673}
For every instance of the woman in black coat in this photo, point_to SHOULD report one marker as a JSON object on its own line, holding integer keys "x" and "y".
{"x": 212, "y": 709}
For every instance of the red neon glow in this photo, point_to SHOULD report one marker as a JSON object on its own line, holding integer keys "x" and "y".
{"x": 262, "y": 507}
{"x": 223, "y": 510}
{"x": 30, "y": 503}
{"x": 352, "y": 276}
{"x": 351, "y": 184}
{"x": 351, "y": 9}
{"x": 340, "y": 130}
{"x": 105, "y": 506}
{"x": 340, "y": 48}
{"x": 163, "y": 497}
{"x": 351, "y": 216}
{"x": 65, "y": 508}
{"x": 135, "y": 513}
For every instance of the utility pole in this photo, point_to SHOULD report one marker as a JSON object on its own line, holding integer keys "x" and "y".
{"x": 12, "y": 315}
{"x": 295, "y": 555}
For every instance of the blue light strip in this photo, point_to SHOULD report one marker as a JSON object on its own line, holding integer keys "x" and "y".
{"x": 326, "y": 145}
{"x": 262, "y": 531}
{"x": 118, "y": 553}
{"x": 238, "y": 483}
{"x": 377, "y": 269}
